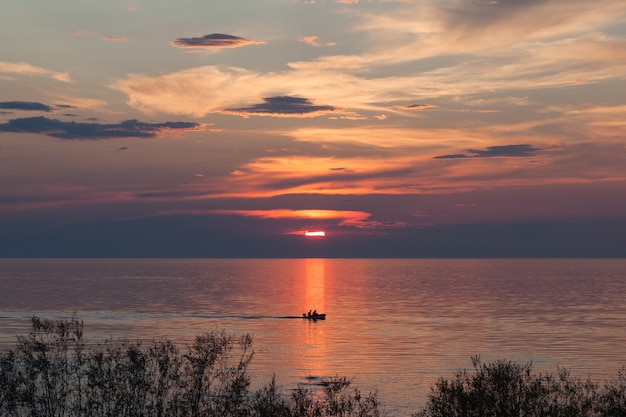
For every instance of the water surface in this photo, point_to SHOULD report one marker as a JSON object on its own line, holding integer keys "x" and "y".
{"x": 393, "y": 325}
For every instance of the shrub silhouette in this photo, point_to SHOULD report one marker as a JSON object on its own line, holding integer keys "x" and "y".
{"x": 54, "y": 372}
{"x": 507, "y": 389}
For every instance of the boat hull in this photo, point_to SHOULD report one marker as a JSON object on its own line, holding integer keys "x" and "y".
{"x": 314, "y": 317}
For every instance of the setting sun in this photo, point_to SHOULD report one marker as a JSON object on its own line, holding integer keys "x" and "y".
{"x": 316, "y": 233}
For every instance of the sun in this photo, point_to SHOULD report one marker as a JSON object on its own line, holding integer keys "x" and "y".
{"x": 315, "y": 233}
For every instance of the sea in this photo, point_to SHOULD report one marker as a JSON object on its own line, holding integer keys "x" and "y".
{"x": 393, "y": 326}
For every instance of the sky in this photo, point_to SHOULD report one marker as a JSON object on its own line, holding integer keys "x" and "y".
{"x": 401, "y": 128}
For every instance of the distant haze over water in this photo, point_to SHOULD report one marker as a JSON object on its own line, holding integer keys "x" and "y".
{"x": 394, "y": 325}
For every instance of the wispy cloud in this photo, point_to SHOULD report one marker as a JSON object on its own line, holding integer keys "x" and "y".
{"x": 73, "y": 130}
{"x": 314, "y": 41}
{"x": 209, "y": 89}
{"x": 310, "y": 40}
{"x": 295, "y": 174}
{"x": 112, "y": 38}
{"x": 197, "y": 91}
{"x": 360, "y": 83}
{"x": 417, "y": 107}
{"x": 377, "y": 161}
{"x": 435, "y": 28}
{"x": 527, "y": 52}
{"x": 214, "y": 40}
{"x": 348, "y": 218}
{"x": 22, "y": 68}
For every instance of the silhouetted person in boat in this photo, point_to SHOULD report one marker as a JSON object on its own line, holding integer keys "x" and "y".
{"x": 309, "y": 314}
{"x": 314, "y": 313}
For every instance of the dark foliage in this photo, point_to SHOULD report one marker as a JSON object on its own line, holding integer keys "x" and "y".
{"x": 54, "y": 372}
{"x": 507, "y": 389}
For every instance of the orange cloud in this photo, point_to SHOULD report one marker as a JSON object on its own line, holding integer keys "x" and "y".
{"x": 399, "y": 169}
{"x": 313, "y": 41}
{"x": 22, "y": 68}
{"x": 356, "y": 219}
{"x": 298, "y": 214}
{"x": 347, "y": 218}
{"x": 343, "y": 217}
{"x": 565, "y": 47}
{"x": 308, "y": 175}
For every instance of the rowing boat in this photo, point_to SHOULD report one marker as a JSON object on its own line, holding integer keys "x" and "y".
{"x": 315, "y": 316}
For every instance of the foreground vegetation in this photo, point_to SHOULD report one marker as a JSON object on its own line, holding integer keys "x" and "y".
{"x": 506, "y": 389}
{"x": 55, "y": 372}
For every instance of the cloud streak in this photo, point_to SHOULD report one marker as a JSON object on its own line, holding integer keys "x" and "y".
{"x": 297, "y": 214}
{"x": 112, "y": 38}
{"x": 341, "y": 218}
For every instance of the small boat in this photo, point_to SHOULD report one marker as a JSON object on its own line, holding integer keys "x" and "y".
{"x": 314, "y": 317}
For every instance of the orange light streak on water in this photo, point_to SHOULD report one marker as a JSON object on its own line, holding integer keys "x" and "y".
{"x": 314, "y": 335}
{"x": 314, "y": 272}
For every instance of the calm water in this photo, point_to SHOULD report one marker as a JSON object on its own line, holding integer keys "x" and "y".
{"x": 392, "y": 325}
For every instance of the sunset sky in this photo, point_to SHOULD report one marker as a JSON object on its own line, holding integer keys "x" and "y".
{"x": 229, "y": 128}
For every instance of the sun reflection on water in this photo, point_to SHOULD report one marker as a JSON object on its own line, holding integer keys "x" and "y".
{"x": 315, "y": 276}
{"x": 313, "y": 334}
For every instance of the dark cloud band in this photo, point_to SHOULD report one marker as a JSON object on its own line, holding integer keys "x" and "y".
{"x": 522, "y": 150}
{"x": 214, "y": 40}
{"x": 74, "y": 130}
{"x": 25, "y": 105}
{"x": 284, "y": 106}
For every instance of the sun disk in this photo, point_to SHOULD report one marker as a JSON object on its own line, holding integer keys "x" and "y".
{"x": 317, "y": 233}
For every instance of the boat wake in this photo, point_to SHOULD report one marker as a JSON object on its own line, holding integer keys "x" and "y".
{"x": 104, "y": 315}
